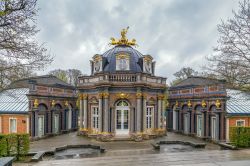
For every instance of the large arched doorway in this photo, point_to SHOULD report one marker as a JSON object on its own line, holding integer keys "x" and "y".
{"x": 122, "y": 117}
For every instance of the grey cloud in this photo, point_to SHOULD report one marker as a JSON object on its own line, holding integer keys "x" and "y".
{"x": 183, "y": 31}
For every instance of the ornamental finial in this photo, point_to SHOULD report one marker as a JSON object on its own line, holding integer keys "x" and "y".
{"x": 123, "y": 40}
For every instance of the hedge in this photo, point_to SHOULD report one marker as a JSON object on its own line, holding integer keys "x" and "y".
{"x": 240, "y": 136}
{"x": 14, "y": 145}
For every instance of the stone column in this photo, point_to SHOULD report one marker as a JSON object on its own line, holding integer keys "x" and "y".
{"x": 106, "y": 112}
{"x": 163, "y": 125}
{"x": 138, "y": 111}
{"x": 36, "y": 122}
{"x": 222, "y": 126}
{"x": 144, "y": 112}
{"x": 81, "y": 111}
{"x": 217, "y": 136}
{"x": 100, "y": 111}
{"x": 131, "y": 119}
{"x": 207, "y": 123}
{"x": 85, "y": 110}
{"x": 159, "y": 115}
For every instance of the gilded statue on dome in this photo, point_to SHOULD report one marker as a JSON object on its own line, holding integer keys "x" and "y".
{"x": 123, "y": 40}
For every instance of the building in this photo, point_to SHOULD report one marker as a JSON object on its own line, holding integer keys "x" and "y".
{"x": 40, "y": 106}
{"x": 122, "y": 96}
{"x": 14, "y": 116}
{"x": 197, "y": 106}
{"x": 238, "y": 110}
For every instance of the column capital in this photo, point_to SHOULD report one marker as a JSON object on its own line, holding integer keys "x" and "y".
{"x": 138, "y": 95}
{"x": 84, "y": 96}
{"x": 160, "y": 96}
{"x": 105, "y": 95}
{"x": 144, "y": 95}
{"x": 36, "y": 103}
{"x": 100, "y": 95}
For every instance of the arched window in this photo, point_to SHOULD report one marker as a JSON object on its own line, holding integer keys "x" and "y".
{"x": 213, "y": 108}
{"x": 42, "y": 107}
{"x": 122, "y": 103}
{"x": 198, "y": 108}
{"x": 58, "y": 107}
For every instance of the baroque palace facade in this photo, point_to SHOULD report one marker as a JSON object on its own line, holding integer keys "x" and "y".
{"x": 122, "y": 97}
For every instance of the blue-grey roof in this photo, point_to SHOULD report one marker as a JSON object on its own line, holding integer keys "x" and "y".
{"x": 238, "y": 102}
{"x": 110, "y": 56}
{"x": 14, "y": 101}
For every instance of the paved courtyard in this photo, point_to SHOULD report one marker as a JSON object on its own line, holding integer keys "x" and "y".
{"x": 141, "y": 153}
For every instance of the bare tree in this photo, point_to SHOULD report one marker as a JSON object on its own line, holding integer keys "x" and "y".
{"x": 70, "y": 76}
{"x": 19, "y": 49}
{"x": 231, "y": 59}
{"x": 73, "y": 75}
{"x": 182, "y": 74}
{"x": 61, "y": 74}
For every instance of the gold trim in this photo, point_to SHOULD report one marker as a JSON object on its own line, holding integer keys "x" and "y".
{"x": 176, "y": 103}
{"x": 218, "y": 104}
{"x": 100, "y": 95}
{"x": 122, "y": 95}
{"x": 189, "y": 104}
{"x": 53, "y": 103}
{"x": 122, "y": 56}
{"x": 105, "y": 95}
{"x": 84, "y": 96}
{"x": 138, "y": 95}
{"x": 123, "y": 40}
{"x": 203, "y": 104}
{"x": 36, "y": 103}
{"x": 160, "y": 96}
{"x": 66, "y": 103}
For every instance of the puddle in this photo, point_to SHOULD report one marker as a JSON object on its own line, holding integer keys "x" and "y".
{"x": 177, "y": 148}
{"x": 74, "y": 153}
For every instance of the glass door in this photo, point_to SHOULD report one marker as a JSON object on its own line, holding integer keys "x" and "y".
{"x": 122, "y": 121}
{"x": 56, "y": 123}
{"x": 199, "y": 125}
{"x": 40, "y": 126}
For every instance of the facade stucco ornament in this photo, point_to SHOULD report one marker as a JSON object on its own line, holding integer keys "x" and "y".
{"x": 53, "y": 103}
{"x": 66, "y": 103}
{"x": 218, "y": 104}
{"x": 123, "y": 40}
{"x": 122, "y": 95}
{"x": 36, "y": 103}
{"x": 176, "y": 104}
{"x": 138, "y": 95}
{"x": 189, "y": 104}
{"x": 203, "y": 103}
{"x": 84, "y": 96}
{"x": 105, "y": 95}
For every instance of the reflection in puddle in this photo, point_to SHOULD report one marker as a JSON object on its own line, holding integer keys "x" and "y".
{"x": 177, "y": 148}
{"x": 73, "y": 153}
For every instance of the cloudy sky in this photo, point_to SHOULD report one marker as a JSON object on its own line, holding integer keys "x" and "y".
{"x": 177, "y": 33}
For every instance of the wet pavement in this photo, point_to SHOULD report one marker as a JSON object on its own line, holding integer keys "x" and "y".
{"x": 141, "y": 153}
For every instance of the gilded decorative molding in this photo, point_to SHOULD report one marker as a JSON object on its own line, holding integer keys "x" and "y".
{"x": 84, "y": 96}
{"x": 97, "y": 57}
{"x": 80, "y": 96}
{"x": 148, "y": 58}
{"x": 36, "y": 103}
{"x": 100, "y": 95}
{"x": 105, "y": 95}
{"x": 203, "y": 104}
{"x": 66, "y": 103}
{"x": 189, "y": 104}
{"x": 53, "y": 103}
{"x": 122, "y": 56}
{"x": 176, "y": 104}
{"x": 122, "y": 95}
{"x": 144, "y": 95}
{"x": 138, "y": 95}
{"x": 160, "y": 96}
{"x": 218, "y": 103}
